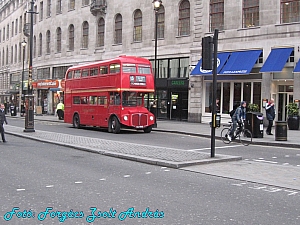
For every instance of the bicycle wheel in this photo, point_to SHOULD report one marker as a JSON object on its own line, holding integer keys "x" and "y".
{"x": 224, "y": 135}
{"x": 246, "y": 137}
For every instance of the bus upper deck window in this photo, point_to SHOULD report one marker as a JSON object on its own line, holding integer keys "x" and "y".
{"x": 70, "y": 75}
{"x": 128, "y": 68}
{"x": 94, "y": 72}
{"x": 144, "y": 70}
{"x": 85, "y": 73}
{"x": 114, "y": 68}
{"x": 77, "y": 74}
{"x": 103, "y": 70}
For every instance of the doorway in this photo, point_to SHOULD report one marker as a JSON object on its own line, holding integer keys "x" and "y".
{"x": 283, "y": 100}
{"x": 178, "y": 109}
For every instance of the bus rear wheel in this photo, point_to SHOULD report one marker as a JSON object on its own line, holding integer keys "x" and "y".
{"x": 115, "y": 125}
{"x": 76, "y": 121}
{"x": 148, "y": 129}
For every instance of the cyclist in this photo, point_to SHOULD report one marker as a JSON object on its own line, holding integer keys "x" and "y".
{"x": 237, "y": 118}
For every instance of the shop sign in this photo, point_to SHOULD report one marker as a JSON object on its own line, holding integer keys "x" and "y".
{"x": 181, "y": 83}
{"x": 45, "y": 84}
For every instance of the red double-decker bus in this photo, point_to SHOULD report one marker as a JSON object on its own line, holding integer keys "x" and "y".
{"x": 110, "y": 94}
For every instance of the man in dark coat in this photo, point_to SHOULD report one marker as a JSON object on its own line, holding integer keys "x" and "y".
{"x": 2, "y": 120}
{"x": 270, "y": 113}
{"x": 237, "y": 119}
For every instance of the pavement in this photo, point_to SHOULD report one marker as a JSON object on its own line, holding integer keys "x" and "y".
{"x": 228, "y": 166}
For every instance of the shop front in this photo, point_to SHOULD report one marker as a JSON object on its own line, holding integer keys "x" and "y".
{"x": 47, "y": 96}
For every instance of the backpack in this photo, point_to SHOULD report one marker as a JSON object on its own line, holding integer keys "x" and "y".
{"x": 231, "y": 113}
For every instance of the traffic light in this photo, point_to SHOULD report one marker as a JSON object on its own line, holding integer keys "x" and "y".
{"x": 207, "y": 49}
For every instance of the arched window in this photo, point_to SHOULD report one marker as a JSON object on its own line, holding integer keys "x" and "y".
{"x": 161, "y": 22}
{"x": 85, "y": 35}
{"x": 184, "y": 18}
{"x": 101, "y": 31}
{"x": 34, "y": 46}
{"x": 137, "y": 30}
{"x": 48, "y": 41}
{"x": 58, "y": 39}
{"x": 71, "y": 37}
{"x": 118, "y": 29}
{"x": 40, "y": 45}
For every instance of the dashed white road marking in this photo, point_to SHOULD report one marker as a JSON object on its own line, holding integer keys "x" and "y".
{"x": 274, "y": 157}
{"x": 202, "y": 149}
{"x": 78, "y": 182}
{"x": 240, "y": 185}
{"x": 148, "y": 173}
{"x": 287, "y": 156}
{"x": 272, "y": 190}
{"x": 258, "y": 188}
{"x": 126, "y": 176}
{"x": 166, "y": 170}
{"x": 285, "y": 164}
{"x": 49, "y": 186}
{"x": 163, "y": 168}
{"x": 102, "y": 179}
{"x": 266, "y": 161}
{"x": 261, "y": 158}
{"x": 21, "y": 189}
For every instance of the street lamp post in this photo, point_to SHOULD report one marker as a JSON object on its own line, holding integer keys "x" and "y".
{"x": 29, "y": 98}
{"x": 22, "y": 85}
{"x": 156, "y": 5}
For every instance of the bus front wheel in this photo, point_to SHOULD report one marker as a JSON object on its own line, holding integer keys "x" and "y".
{"x": 76, "y": 121}
{"x": 148, "y": 129}
{"x": 115, "y": 125}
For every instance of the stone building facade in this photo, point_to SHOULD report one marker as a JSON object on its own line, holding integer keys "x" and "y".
{"x": 71, "y": 32}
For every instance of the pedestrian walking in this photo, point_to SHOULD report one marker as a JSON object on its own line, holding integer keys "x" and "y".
{"x": 60, "y": 110}
{"x": 2, "y": 120}
{"x": 237, "y": 119}
{"x": 270, "y": 113}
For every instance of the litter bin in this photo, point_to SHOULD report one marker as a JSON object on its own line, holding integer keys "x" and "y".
{"x": 13, "y": 111}
{"x": 254, "y": 123}
{"x": 280, "y": 131}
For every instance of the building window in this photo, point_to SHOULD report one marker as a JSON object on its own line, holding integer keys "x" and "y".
{"x": 7, "y": 32}
{"x": 16, "y": 53}
{"x": 20, "y": 25}
{"x": 85, "y": 2}
{"x": 250, "y": 13}
{"x": 58, "y": 7}
{"x": 40, "y": 45}
{"x": 48, "y": 8}
{"x": 101, "y": 32}
{"x": 137, "y": 30}
{"x": 6, "y": 55}
{"x": 161, "y": 22}
{"x": 48, "y": 39}
{"x": 34, "y": 46}
{"x": 12, "y": 55}
{"x": 35, "y": 15}
{"x": 290, "y": 11}
{"x": 85, "y": 35}
{"x": 16, "y": 28}
{"x": 184, "y": 18}
{"x": 3, "y": 54}
{"x": 59, "y": 72}
{"x": 12, "y": 28}
{"x": 118, "y": 29}
{"x": 20, "y": 52}
{"x": 71, "y": 37}
{"x": 58, "y": 39}
{"x": 41, "y": 14}
{"x": 216, "y": 15}
{"x": 3, "y": 33}
{"x": 71, "y": 4}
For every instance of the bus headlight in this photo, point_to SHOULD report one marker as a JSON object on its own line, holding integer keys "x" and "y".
{"x": 151, "y": 118}
{"x": 125, "y": 118}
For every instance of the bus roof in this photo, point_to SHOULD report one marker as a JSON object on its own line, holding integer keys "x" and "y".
{"x": 121, "y": 59}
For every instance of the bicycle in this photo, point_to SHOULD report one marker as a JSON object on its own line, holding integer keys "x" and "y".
{"x": 244, "y": 135}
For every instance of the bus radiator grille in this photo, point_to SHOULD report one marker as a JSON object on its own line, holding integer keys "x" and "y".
{"x": 139, "y": 120}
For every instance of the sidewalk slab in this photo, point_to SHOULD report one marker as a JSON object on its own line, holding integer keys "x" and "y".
{"x": 170, "y": 157}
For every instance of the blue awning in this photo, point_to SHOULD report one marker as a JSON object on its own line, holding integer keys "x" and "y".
{"x": 276, "y": 60}
{"x": 297, "y": 68}
{"x": 222, "y": 57}
{"x": 241, "y": 62}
